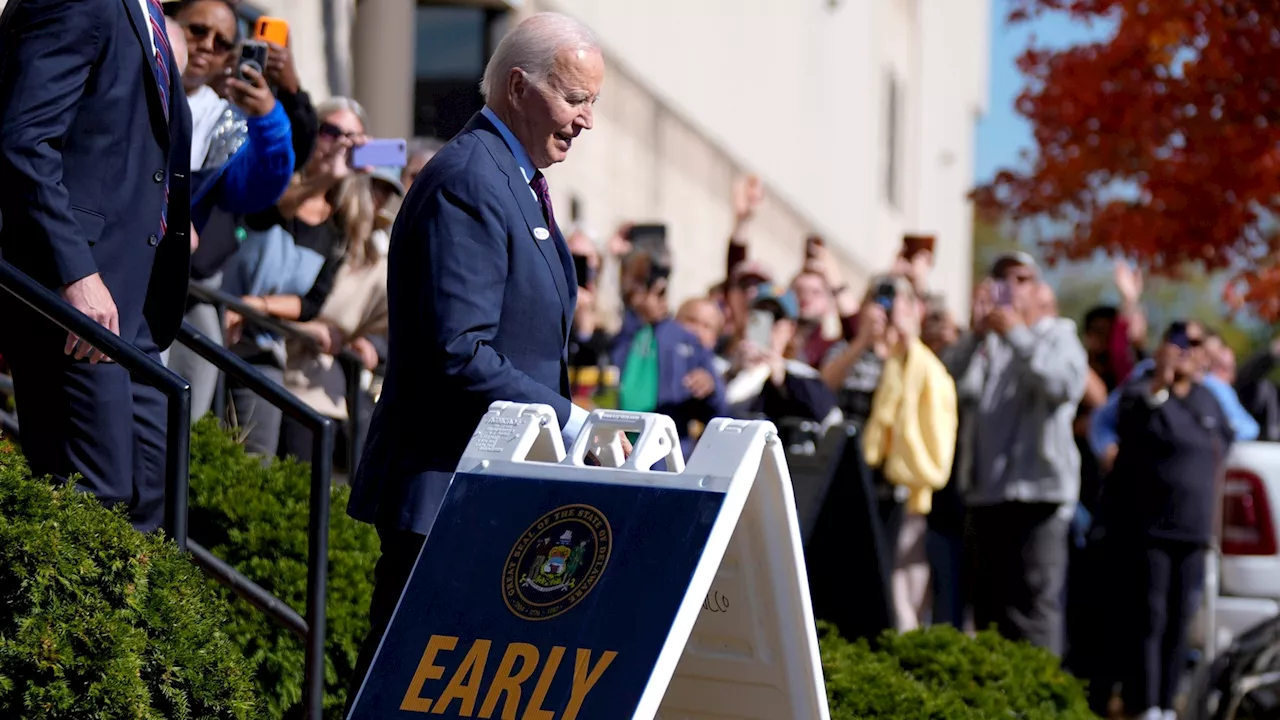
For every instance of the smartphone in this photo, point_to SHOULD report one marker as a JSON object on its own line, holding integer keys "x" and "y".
{"x": 380, "y": 152}
{"x": 760, "y": 329}
{"x": 1002, "y": 293}
{"x": 884, "y": 296}
{"x": 811, "y": 245}
{"x": 254, "y": 54}
{"x": 658, "y": 271}
{"x": 1177, "y": 336}
{"x": 271, "y": 30}
{"x": 583, "y": 270}
{"x": 651, "y": 237}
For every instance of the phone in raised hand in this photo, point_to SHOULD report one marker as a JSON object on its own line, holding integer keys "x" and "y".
{"x": 380, "y": 152}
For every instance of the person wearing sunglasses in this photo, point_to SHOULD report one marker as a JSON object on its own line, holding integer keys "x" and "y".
{"x": 1156, "y": 521}
{"x": 1103, "y": 428}
{"x": 241, "y": 158}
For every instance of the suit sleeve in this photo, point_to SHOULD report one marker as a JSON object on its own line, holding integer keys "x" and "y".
{"x": 463, "y": 293}
{"x": 49, "y": 49}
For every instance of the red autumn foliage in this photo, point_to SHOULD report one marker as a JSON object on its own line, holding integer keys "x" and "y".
{"x": 1161, "y": 142}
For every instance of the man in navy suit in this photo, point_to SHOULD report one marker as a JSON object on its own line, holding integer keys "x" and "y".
{"x": 481, "y": 291}
{"x": 95, "y": 140}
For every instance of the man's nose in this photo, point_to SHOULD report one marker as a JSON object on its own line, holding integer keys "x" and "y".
{"x": 586, "y": 119}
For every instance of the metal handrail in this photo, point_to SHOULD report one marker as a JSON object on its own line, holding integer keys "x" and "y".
{"x": 141, "y": 366}
{"x": 312, "y": 630}
{"x": 178, "y": 459}
{"x": 352, "y": 365}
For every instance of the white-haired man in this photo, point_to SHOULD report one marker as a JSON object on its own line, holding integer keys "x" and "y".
{"x": 481, "y": 291}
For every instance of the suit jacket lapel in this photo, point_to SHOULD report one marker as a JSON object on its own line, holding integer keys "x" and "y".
{"x": 142, "y": 31}
{"x": 547, "y": 239}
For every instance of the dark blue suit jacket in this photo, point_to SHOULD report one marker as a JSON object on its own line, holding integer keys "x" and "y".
{"x": 479, "y": 311}
{"x": 85, "y": 150}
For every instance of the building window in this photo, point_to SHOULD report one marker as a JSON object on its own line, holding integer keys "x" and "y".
{"x": 452, "y": 46}
{"x": 893, "y": 139}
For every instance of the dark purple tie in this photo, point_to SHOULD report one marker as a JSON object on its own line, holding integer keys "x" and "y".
{"x": 161, "y": 69}
{"x": 539, "y": 185}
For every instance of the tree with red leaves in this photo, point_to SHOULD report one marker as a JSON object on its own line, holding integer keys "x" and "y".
{"x": 1161, "y": 143}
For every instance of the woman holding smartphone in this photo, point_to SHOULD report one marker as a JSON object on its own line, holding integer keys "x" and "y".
{"x": 294, "y": 255}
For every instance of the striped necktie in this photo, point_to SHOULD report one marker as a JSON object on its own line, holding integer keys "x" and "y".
{"x": 161, "y": 69}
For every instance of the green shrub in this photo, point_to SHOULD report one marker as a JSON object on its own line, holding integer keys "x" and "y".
{"x": 98, "y": 621}
{"x": 942, "y": 674}
{"x": 255, "y": 518}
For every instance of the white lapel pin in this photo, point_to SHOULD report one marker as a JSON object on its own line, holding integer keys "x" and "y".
{"x": 541, "y": 233}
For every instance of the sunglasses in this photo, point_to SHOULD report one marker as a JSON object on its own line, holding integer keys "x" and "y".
{"x": 333, "y": 132}
{"x": 199, "y": 32}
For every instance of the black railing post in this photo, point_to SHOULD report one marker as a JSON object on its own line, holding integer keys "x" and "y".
{"x": 178, "y": 465}
{"x": 313, "y": 630}
{"x": 317, "y": 567}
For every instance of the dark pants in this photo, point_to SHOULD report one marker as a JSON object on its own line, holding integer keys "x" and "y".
{"x": 94, "y": 420}
{"x": 399, "y": 553}
{"x": 1018, "y": 555}
{"x": 1167, "y": 585}
{"x": 257, "y": 417}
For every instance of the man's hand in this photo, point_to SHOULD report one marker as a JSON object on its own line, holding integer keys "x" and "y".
{"x": 367, "y": 352}
{"x": 1167, "y": 357}
{"x": 983, "y": 304}
{"x": 873, "y": 321}
{"x": 253, "y": 97}
{"x": 1003, "y": 319}
{"x": 1107, "y": 459}
{"x": 1128, "y": 282}
{"x": 748, "y": 193}
{"x": 700, "y": 383}
{"x": 281, "y": 71}
{"x": 90, "y": 296}
{"x": 195, "y": 238}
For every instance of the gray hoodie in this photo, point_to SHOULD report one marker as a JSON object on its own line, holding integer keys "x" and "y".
{"x": 1023, "y": 390}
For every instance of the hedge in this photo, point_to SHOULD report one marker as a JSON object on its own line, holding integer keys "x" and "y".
{"x": 98, "y": 621}
{"x": 254, "y": 516}
{"x": 942, "y": 674}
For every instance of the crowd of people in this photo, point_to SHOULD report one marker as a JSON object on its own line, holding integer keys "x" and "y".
{"x": 1053, "y": 480}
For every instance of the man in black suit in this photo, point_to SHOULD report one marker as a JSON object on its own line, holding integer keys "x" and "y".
{"x": 482, "y": 290}
{"x": 95, "y": 139}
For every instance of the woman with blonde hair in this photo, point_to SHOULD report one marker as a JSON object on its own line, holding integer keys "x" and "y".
{"x": 291, "y": 258}
{"x": 909, "y": 438}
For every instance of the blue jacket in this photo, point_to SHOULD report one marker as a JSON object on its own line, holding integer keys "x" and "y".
{"x": 254, "y": 178}
{"x": 679, "y": 353}
{"x": 481, "y": 298}
{"x": 1103, "y": 426}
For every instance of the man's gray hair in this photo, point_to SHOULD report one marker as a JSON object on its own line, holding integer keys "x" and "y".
{"x": 532, "y": 46}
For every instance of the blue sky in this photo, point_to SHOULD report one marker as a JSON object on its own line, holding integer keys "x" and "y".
{"x": 1002, "y": 133}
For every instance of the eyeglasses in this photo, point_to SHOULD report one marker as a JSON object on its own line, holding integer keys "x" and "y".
{"x": 333, "y": 132}
{"x": 200, "y": 31}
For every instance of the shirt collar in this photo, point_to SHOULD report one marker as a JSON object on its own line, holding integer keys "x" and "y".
{"x": 521, "y": 155}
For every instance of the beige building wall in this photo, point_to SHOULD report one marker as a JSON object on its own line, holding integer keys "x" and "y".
{"x": 700, "y": 91}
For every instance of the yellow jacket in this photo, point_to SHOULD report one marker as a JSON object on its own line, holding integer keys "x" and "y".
{"x": 911, "y": 432}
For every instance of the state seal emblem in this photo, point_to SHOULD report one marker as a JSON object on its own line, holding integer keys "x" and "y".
{"x": 556, "y": 562}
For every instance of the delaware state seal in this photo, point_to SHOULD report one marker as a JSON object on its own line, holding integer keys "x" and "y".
{"x": 556, "y": 562}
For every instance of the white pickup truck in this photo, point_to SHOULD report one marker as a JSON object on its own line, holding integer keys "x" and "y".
{"x": 1248, "y": 582}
